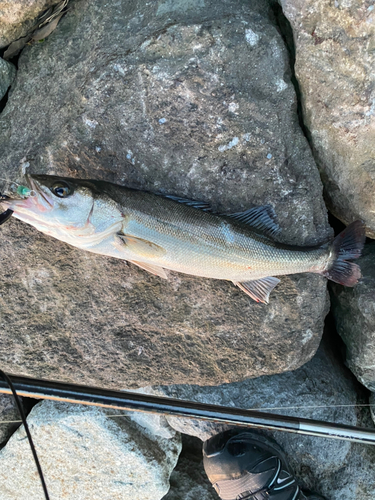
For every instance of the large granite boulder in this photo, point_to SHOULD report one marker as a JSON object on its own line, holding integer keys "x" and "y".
{"x": 335, "y": 59}
{"x": 323, "y": 390}
{"x": 354, "y": 313}
{"x": 188, "y": 98}
{"x": 87, "y": 454}
{"x": 17, "y": 17}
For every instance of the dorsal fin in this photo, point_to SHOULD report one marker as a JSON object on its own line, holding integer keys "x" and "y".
{"x": 201, "y": 205}
{"x": 262, "y": 218}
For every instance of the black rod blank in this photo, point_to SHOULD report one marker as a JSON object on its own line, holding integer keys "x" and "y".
{"x": 5, "y": 215}
{"x": 124, "y": 400}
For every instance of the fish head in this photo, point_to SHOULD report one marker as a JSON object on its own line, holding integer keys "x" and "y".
{"x": 57, "y": 206}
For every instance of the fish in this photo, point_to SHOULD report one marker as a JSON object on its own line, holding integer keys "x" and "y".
{"x": 163, "y": 232}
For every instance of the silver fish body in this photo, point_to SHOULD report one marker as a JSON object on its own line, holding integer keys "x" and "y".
{"x": 157, "y": 233}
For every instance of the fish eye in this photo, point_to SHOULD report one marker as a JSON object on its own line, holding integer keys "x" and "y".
{"x": 61, "y": 189}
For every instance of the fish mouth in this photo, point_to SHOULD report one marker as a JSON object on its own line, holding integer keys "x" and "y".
{"x": 31, "y": 207}
{"x": 35, "y": 186}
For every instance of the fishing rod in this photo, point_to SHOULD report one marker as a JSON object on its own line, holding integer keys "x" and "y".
{"x": 125, "y": 400}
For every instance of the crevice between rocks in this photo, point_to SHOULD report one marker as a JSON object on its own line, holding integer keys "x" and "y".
{"x": 14, "y": 61}
{"x": 286, "y": 32}
{"x": 330, "y": 332}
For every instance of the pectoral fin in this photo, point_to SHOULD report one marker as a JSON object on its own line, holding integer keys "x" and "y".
{"x": 158, "y": 271}
{"x": 259, "y": 290}
{"x": 139, "y": 246}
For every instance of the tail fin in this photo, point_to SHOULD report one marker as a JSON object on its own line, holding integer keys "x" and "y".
{"x": 347, "y": 245}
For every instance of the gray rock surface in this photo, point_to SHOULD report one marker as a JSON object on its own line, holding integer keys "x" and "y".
{"x": 313, "y": 391}
{"x": 192, "y": 99}
{"x": 372, "y": 408}
{"x": 18, "y": 16}
{"x": 9, "y": 417}
{"x": 354, "y": 313}
{"x": 334, "y": 67}
{"x": 85, "y": 454}
{"x": 7, "y": 74}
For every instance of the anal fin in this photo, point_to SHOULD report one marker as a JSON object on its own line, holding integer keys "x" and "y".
{"x": 259, "y": 290}
{"x": 158, "y": 271}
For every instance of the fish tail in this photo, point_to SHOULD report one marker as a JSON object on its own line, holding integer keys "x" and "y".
{"x": 346, "y": 246}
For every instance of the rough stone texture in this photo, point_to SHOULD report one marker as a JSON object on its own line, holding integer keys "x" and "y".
{"x": 85, "y": 454}
{"x": 320, "y": 464}
{"x": 18, "y": 16}
{"x": 334, "y": 66}
{"x": 372, "y": 408}
{"x": 188, "y": 480}
{"x": 7, "y": 74}
{"x": 9, "y": 417}
{"x": 192, "y": 99}
{"x": 354, "y": 313}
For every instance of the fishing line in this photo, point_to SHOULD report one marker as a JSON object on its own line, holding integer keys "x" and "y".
{"x": 23, "y": 417}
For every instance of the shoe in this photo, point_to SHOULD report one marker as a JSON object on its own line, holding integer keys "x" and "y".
{"x": 248, "y": 466}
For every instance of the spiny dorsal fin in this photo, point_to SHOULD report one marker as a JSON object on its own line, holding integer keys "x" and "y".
{"x": 262, "y": 218}
{"x": 201, "y": 205}
{"x": 259, "y": 290}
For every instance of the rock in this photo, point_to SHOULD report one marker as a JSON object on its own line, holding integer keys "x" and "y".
{"x": 7, "y": 74}
{"x": 18, "y": 16}
{"x": 313, "y": 391}
{"x": 85, "y": 454}
{"x": 372, "y": 408}
{"x": 354, "y": 313}
{"x": 188, "y": 480}
{"x": 334, "y": 43}
{"x": 192, "y": 99}
{"x": 9, "y": 418}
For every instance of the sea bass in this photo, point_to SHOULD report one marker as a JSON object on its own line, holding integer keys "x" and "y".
{"x": 158, "y": 232}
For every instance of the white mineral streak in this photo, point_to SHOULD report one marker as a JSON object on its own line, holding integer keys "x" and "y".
{"x": 233, "y": 106}
{"x": 90, "y": 123}
{"x": 280, "y": 85}
{"x": 252, "y": 38}
{"x": 85, "y": 454}
{"x": 230, "y": 145}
